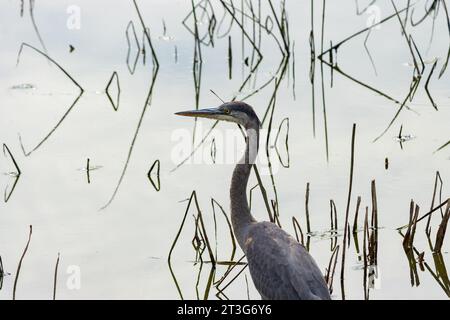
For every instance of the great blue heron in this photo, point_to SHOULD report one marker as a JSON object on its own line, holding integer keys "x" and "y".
{"x": 281, "y": 268}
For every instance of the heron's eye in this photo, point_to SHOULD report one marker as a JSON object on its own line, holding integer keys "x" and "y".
{"x": 226, "y": 111}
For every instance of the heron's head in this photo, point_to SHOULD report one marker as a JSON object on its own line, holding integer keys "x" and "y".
{"x": 236, "y": 111}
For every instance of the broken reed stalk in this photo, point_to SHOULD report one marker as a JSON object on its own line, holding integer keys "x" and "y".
{"x": 147, "y": 35}
{"x": 444, "y": 145}
{"x": 356, "y": 244}
{"x": 198, "y": 242}
{"x": 355, "y": 221}
{"x": 230, "y": 229}
{"x": 374, "y": 235}
{"x": 441, "y": 272}
{"x": 169, "y": 258}
{"x": 215, "y": 229}
{"x": 414, "y": 225}
{"x": 417, "y": 75}
{"x": 246, "y": 285}
{"x": 413, "y": 274}
{"x": 436, "y": 180}
{"x": 308, "y": 225}
{"x": 197, "y": 283}
{"x": 205, "y": 235}
{"x": 366, "y": 231}
{"x": 220, "y": 290}
{"x": 374, "y": 205}
{"x": 43, "y": 140}
{"x": 147, "y": 103}
{"x": 33, "y": 21}
{"x": 434, "y": 209}
{"x": 444, "y": 67}
{"x": 55, "y": 277}
{"x": 241, "y": 26}
{"x": 230, "y": 59}
{"x": 24, "y": 44}
{"x": 7, "y": 195}
{"x": 156, "y": 184}
{"x": 19, "y": 266}
{"x": 312, "y": 67}
{"x": 408, "y": 239}
{"x": 209, "y": 284}
{"x": 440, "y": 235}
{"x": 427, "y": 89}
{"x": 408, "y": 231}
{"x": 324, "y": 109}
{"x": 232, "y": 280}
{"x": 435, "y": 275}
{"x": 332, "y": 268}
{"x": 88, "y": 169}
{"x": 293, "y": 72}
{"x": 263, "y": 193}
{"x": 348, "y": 235}
{"x": 297, "y": 226}
{"x": 250, "y": 197}
{"x": 352, "y": 160}
{"x": 275, "y": 213}
{"x": 333, "y": 224}
{"x": 201, "y": 242}
{"x": 116, "y": 77}
{"x": 427, "y": 214}
{"x": 132, "y": 69}
{"x": 281, "y": 27}
{"x": 337, "y": 45}
{"x": 333, "y": 215}
{"x": 225, "y": 275}
{"x": 2, "y": 273}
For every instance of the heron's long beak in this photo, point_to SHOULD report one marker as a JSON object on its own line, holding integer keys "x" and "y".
{"x": 212, "y": 113}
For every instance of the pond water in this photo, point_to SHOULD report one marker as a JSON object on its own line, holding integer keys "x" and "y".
{"x": 113, "y": 229}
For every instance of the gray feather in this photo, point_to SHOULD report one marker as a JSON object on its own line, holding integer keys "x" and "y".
{"x": 280, "y": 267}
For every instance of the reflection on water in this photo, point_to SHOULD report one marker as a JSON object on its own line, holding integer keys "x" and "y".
{"x": 87, "y": 94}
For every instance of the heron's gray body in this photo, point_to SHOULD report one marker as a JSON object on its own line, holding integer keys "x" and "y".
{"x": 281, "y": 268}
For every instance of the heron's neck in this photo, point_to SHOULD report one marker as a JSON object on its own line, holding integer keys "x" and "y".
{"x": 241, "y": 217}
